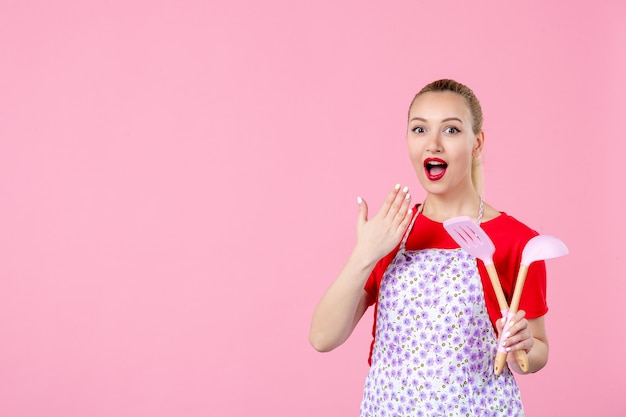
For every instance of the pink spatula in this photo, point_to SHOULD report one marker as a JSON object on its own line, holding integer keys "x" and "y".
{"x": 539, "y": 248}
{"x": 473, "y": 239}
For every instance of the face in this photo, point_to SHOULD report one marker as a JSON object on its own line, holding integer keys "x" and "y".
{"x": 442, "y": 143}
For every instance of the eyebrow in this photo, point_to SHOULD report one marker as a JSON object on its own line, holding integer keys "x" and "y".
{"x": 447, "y": 119}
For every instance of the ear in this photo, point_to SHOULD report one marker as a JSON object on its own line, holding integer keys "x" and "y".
{"x": 479, "y": 144}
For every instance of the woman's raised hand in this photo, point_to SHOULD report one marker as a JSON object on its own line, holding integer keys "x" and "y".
{"x": 378, "y": 236}
{"x": 345, "y": 301}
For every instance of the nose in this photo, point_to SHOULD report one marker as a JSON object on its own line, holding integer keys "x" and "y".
{"x": 434, "y": 143}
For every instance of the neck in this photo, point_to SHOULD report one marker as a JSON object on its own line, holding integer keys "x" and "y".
{"x": 441, "y": 208}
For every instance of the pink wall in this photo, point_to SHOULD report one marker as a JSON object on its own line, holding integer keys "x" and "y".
{"x": 178, "y": 184}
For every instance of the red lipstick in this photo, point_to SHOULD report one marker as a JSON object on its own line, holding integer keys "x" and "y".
{"x": 435, "y": 168}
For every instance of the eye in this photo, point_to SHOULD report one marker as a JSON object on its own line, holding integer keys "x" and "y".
{"x": 452, "y": 130}
{"x": 419, "y": 129}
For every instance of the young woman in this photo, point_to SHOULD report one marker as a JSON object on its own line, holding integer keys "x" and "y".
{"x": 436, "y": 314}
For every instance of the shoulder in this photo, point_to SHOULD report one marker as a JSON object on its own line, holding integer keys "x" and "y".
{"x": 496, "y": 219}
{"x": 507, "y": 230}
{"x": 506, "y": 221}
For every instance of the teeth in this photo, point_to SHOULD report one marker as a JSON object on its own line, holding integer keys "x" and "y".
{"x": 435, "y": 163}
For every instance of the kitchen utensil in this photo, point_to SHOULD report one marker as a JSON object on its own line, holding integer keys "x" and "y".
{"x": 539, "y": 248}
{"x": 473, "y": 239}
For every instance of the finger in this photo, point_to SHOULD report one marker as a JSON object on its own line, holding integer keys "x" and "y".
{"x": 384, "y": 210}
{"x": 500, "y": 324}
{"x": 515, "y": 319}
{"x": 362, "y": 219}
{"x": 405, "y": 213}
{"x": 406, "y": 202}
{"x": 517, "y": 333}
{"x": 514, "y": 327}
{"x": 522, "y": 341}
{"x": 396, "y": 205}
{"x": 518, "y": 336}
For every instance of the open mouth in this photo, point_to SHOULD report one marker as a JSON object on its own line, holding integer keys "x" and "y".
{"x": 435, "y": 168}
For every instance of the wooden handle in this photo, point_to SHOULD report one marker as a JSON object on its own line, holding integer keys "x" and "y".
{"x": 498, "y": 365}
{"x": 519, "y": 286}
{"x": 522, "y": 360}
{"x": 520, "y": 355}
{"x": 497, "y": 287}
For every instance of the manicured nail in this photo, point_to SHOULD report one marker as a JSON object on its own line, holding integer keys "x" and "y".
{"x": 503, "y": 343}
{"x": 405, "y": 189}
{"x": 408, "y": 196}
{"x": 397, "y": 187}
{"x": 507, "y": 334}
{"x": 511, "y": 323}
{"x": 503, "y": 320}
{"x": 508, "y": 349}
{"x": 359, "y": 200}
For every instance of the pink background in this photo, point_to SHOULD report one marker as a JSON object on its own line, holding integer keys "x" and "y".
{"x": 178, "y": 183}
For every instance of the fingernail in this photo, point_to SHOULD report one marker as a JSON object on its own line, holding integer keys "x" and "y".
{"x": 503, "y": 343}
{"x": 508, "y": 349}
{"x": 507, "y": 334}
{"x": 397, "y": 187}
{"x": 503, "y": 320}
{"x": 359, "y": 200}
{"x": 405, "y": 189}
{"x": 408, "y": 196}
{"x": 511, "y": 323}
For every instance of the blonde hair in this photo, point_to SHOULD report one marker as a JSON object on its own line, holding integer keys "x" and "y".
{"x": 477, "y": 118}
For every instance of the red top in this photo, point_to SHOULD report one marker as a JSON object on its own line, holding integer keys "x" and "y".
{"x": 509, "y": 237}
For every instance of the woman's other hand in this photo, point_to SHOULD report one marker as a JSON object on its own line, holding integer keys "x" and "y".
{"x": 528, "y": 335}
